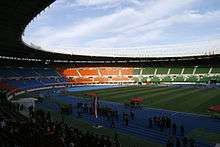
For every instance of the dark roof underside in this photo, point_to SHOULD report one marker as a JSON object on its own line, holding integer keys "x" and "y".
{"x": 16, "y": 14}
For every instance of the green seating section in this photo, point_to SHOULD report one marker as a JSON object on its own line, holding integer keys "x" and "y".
{"x": 167, "y": 79}
{"x": 148, "y": 71}
{"x": 217, "y": 78}
{"x": 176, "y": 75}
{"x": 137, "y": 71}
{"x": 188, "y": 70}
{"x": 175, "y": 70}
{"x": 155, "y": 80}
{"x": 192, "y": 79}
{"x": 179, "y": 79}
{"x": 216, "y": 70}
{"x": 162, "y": 70}
{"x": 202, "y": 70}
{"x": 204, "y": 79}
{"x": 144, "y": 79}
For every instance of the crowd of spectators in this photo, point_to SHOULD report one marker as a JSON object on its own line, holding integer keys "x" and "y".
{"x": 177, "y": 133}
{"x": 107, "y": 113}
{"x": 180, "y": 142}
{"x": 40, "y": 130}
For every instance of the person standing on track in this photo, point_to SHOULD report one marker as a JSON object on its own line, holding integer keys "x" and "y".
{"x": 132, "y": 115}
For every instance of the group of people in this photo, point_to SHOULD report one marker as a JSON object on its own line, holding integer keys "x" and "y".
{"x": 180, "y": 142}
{"x": 127, "y": 116}
{"x": 164, "y": 122}
{"x": 107, "y": 113}
{"x": 40, "y": 130}
{"x": 177, "y": 138}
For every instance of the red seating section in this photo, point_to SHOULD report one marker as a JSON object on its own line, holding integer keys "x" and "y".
{"x": 8, "y": 88}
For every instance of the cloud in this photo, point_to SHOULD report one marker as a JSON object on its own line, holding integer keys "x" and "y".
{"x": 119, "y": 21}
{"x": 142, "y": 24}
{"x": 95, "y": 2}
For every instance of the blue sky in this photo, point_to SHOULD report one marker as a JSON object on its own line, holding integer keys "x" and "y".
{"x": 135, "y": 27}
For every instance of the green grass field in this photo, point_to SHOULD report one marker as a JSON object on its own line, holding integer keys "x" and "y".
{"x": 193, "y": 100}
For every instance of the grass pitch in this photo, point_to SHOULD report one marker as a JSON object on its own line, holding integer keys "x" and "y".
{"x": 193, "y": 100}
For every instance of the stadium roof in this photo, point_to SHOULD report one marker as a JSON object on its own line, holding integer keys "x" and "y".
{"x": 17, "y": 14}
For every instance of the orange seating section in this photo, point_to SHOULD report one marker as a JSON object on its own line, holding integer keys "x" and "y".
{"x": 82, "y": 80}
{"x": 109, "y": 72}
{"x": 101, "y": 80}
{"x": 98, "y": 80}
{"x": 127, "y": 71}
{"x": 69, "y": 72}
{"x": 120, "y": 79}
{"x": 96, "y": 75}
{"x": 88, "y": 72}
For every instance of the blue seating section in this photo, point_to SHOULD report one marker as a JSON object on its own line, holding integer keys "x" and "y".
{"x": 6, "y": 72}
{"x": 27, "y": 78}
{"x": 46, "y": 72}
{"x": 24, "y": 84}
{"x": 27, "y": 72}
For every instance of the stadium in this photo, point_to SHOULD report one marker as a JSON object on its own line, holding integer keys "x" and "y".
{"x": 157, "y": 95}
